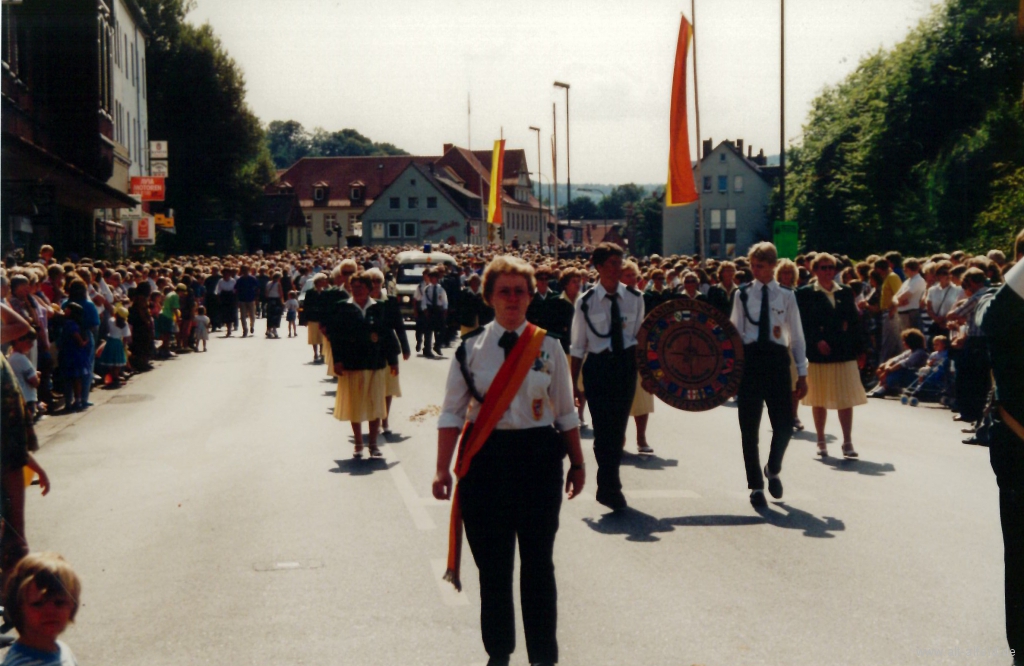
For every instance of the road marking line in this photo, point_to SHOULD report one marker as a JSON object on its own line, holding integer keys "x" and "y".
{"x": 419, "y": 515}
{"x": 449, "y": 596}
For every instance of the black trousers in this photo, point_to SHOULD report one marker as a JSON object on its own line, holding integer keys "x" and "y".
{"x": 1006, "y": 452}
{"x": 610, "y": 382}
{"x": 513, "y": 491}
{"x": 433, "y": 331}
{"x": 766, "y": 381}
{"x": 973, "y": 379}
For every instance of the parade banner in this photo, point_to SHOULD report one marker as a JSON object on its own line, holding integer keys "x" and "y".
{"x": 681, "y": 189}
{"x": 497, "y": 169}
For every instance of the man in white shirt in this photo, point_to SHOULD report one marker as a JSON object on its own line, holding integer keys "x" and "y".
{"x": 434, "y": 306}
{"x": 768, "y": 320}
{"x": 908, "y": 297}
{"x": 604, "y": 329}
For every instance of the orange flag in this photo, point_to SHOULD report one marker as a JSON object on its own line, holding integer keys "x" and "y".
{"x": 681, "y": 188}
{"x": 497, "y": 169}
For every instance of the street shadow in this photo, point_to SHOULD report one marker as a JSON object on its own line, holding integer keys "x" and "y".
{"x": 587, "y": 433}
{"x": 640, "y": 527}
{"x": 858, "y": 465}
{"x": 810, "y": 436}
{"x": 329, "y": 380}
{"x": 796, "y": 519}
{"x": 647, "y": 462}
{"x": 330, "y": 394}
{"x": 635, "y": 525}
{"x": 362, "y": 467}
{"x": 395, "y": 438}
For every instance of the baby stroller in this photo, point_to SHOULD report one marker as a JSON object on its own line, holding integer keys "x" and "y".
{"x": 930, "y": 386}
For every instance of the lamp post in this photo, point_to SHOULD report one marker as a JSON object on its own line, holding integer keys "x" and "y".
{"x": 603, "y": 209}
{"x": 540, "y": 192}
{"x": 568, "y": 168}
{"x": 540, "y": 214}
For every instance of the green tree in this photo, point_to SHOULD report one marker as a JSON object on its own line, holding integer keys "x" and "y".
{"x": 902, "y": 154}
{"x": 288, "y": 142}
{"x": 580, "y": 208}
{"x": 218, "y": 159}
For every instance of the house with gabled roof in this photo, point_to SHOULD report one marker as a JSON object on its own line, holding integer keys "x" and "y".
{"x": 335, "y": 191}
{"x": 423, "y": 203}
{"x": 735, "y": 191}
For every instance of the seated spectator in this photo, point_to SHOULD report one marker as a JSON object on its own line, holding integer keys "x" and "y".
{"x": 901, "y": 370}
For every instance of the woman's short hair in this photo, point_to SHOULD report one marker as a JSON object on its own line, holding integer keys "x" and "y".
{"x": 820, "y": 257}
{"x": 567, "y": 275}
{"x": 784, "y": 265}
{"x": 507, "y": 265}
{"x": 764, "y": 251}
{"x": 631, "y": 266}
{"x": 376, "y": 274}
{"x": 913, "y": 338}
{"x": 363, "y": 278}
{"x": 52, "y": 576}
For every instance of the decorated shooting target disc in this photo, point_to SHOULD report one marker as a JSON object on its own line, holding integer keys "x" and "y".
{"x": 690, "y": 355}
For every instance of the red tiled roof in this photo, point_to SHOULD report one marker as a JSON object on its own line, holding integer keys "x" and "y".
{"x": 377, "y": 172}
{"x": 515, "y": 161}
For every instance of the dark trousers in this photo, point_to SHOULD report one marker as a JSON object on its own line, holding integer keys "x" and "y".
{"x": 609, "y": 380}
{"x": 434, "y": 329}
{"x": 1006, "y": 452}
{"x": 766, "y": 381}
{"x": 973, "y": 379}
{"x": 513, "y": 491}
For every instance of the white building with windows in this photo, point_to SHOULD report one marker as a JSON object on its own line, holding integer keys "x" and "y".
{"x": 735, "y": 191}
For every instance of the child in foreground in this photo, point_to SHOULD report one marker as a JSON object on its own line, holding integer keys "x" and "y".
{"x": 42, "y": 594}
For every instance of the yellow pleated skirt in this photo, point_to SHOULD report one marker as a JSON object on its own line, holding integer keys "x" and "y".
{"x": 834, "y": 386}
{"x": 328, "y": 357}
{"x": 313, "y": 334}
{"x": 393, "y": 388}
{"x": 360, "y": 396}
{"x": 643, "y": 402}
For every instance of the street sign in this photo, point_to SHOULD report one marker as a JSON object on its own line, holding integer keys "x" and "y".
{"x": 158, "y": 150}
{"x": 135, "y": 212}
{"x": 143, "y": 231}
{"x": 158, "y": 168}
{"x": 151, "y": 188}
{"x": 163, "y": 221}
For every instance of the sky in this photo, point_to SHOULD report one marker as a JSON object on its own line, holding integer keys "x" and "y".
{"x": 401, "y": 71}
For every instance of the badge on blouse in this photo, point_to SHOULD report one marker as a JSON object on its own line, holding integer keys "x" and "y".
{"x": 538, "y": 409}
{"x": 373, "y": 338}
{"x": 845, "y": 326}
{"x": 777, "y": 332}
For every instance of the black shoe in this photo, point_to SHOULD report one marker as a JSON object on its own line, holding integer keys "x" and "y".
{"x": 498, "y": 661}
{"x": 542, "y": 663}
{"x": 419, "y": 345}
{"x": 757, "y": 499}
{"x": 774, "y": 484}
{"x": 976, "y": 441}
{"x": 428, "y": 355}
{"x": 615, "y": 501}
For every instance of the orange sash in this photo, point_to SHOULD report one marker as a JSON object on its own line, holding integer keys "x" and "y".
{"x": 499, "y": 396}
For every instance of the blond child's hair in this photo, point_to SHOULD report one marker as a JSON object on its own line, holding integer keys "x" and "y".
{"x": 52, "y": 576}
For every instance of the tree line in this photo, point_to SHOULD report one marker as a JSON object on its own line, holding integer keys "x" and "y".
{"x": 921, "y": 148}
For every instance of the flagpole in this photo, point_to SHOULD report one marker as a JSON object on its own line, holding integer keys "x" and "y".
{"x": 696, "y": 109}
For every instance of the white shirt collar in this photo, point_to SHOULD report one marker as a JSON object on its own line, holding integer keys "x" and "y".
{"x": 772, "y": 285}
{"x": 1014, "y": 278}
{"x": 369, "y": 302}
{"x": 501, "y": 330}
{"x": 602, "y": 292}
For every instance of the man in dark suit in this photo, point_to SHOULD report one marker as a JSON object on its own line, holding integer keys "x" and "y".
{"x": 1002, "y": 320}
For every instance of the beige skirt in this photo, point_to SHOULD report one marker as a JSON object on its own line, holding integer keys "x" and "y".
{"x": 643, "y": 402}
{"x": 313, "y": 334}
{"x": 834, "y": 386}
{"x": 360, "y": 396}
{"x": 393, "y": 388}
{"x": 328, "y": 358}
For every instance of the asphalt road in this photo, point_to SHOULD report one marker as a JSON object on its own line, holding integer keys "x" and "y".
{"x": 215, "y": 516}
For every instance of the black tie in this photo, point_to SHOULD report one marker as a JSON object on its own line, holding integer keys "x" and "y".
{"x": 433, "y": 296}
{"x": 508, "y": 341}
{"x": 616, "y": 329}
{"x": 763, "y": 324}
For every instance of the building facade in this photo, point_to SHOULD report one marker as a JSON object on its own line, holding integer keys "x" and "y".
{"x": 58, "y": 141}
{"x": 421, "y": 205}
{"x": 735, "y": 192}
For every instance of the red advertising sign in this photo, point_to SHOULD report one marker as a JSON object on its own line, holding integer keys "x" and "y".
{"x": 150, "y": 187}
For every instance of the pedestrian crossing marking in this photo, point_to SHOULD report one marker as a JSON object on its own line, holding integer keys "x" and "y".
{"x": 410, "y": 497}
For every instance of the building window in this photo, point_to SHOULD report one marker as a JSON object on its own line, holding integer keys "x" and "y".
{"x": 730, "y": 232}
{"x": 143, "y": 78}
{"x": 413, "y": 182}
{"x": 707, "y": 183}
{"x": 394, "y": 203}
{"x": 318, "y": 194}
{"x": 721, "y": 157}
{"x": 377, "y": 230}
{"x": 723, "y": 183}
{"x": 126, "y": 56}
{"x": 329, "y": 220}
{"x": 355, "y": 194}
{"x": 128, "y": 143}
{"x": 411, "y": 230}
{"x": 716, "y": 226}
{"x": 737, "y": 183}
{"x": 351, "y": 221}
{"x": 394, "y": 229}
{"x": 414, "y": 202}
{"x": 431, "y": 202}
{"x": 309, "y": 220}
